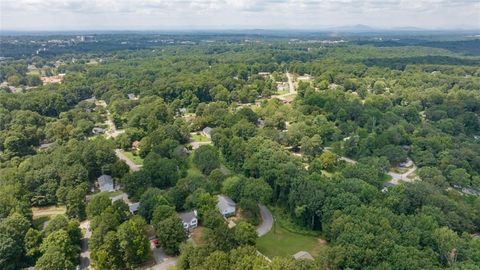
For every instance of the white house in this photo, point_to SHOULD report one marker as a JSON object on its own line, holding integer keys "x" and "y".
{"x": 226, "y": 206}
{"x": 189, "y": 220}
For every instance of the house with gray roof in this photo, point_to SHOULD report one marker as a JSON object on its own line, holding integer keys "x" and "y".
{"x": 98, "y": 130}
{"x": 226, "y": 206}
{"x": 105, "y": 183}
{"x": 189, "y": 220}
{"x": 207, "y": 131}
{"x": 303, "y": 255}
{"x": 133, "y": 207}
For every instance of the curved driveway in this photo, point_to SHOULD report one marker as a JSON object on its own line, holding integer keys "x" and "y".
{"x": 133, "y": 167}
{"x": 267, "y": 220}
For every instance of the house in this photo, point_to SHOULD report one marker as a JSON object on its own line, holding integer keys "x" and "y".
{"x": 98, "y": 130}
{"x": 52, "y": 79}
{"x": 135, "y": 145}
{"x": 45, "y": 146}
{"x": 264, "y": 74}
{"x": 132, "y": 96}
{"x": 303, "y": 255}
{"x": 386, "y": 186}
{"x": 133, "y": 207}
{"x": 105, "y": 183}
{"x": 189, "y": 220}
{"x": 226, "y": 206}
{"x": 207, "y": 131}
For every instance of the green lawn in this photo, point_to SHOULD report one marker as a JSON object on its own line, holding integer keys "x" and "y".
{"x": 287, "y": 238}
{"x": 135, "y": 158}
{"x": 283, "y": 243}
{"x": 199, "y": 138}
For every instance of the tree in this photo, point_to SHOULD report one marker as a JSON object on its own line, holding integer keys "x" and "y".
{"x": 162, "y": 212}
{"x": 311, "y": 146}
{"x": 12, "y": 234}
{"x": 206, "y": 158}
{"x": 58, "y": 251}
{"x": 33, "y": 240}
{"x": 163, "y": 172}
{"x": 446, "y": 243}
{"x": 328, "y": 160}
{"x": 133, "y": 241}
{"x": 75, "y": 202}
{"x": 109, "y": 255}
{"x": 171, "y": 234}
{"x": 98, "y": 204}
{"x": 151, "y": 199}
{"x": 245, "y": 234}
{"x": 54, "y": 260}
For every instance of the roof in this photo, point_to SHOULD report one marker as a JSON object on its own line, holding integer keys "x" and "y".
{"x": 105, "y": 182}
{"x": 303, "y": 255}
{"x": 207, "y": 130}
{"x": 134, "y": 207}
{"x": 187, "y": 217}
{"x": 225, "y": 202}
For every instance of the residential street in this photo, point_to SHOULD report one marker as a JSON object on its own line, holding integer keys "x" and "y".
{"x": 85, "y": 253}
{"x": 133, "y": 167}
{"x": 291, "y": 87}
{"x": 267, "y": 220}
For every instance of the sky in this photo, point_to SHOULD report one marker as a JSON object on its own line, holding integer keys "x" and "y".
{"x": 30, "y": 15}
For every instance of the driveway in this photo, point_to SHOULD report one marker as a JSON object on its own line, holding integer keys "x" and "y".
{"x": 267, "y": 220}
{"x": 397, "y": 177}
{"x": 133, "y": 167}
{"x": 85, "y": 254}
{"x": 163, "y": 262}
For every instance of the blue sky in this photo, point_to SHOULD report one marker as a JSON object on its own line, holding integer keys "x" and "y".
{"x": 235, "y": 14}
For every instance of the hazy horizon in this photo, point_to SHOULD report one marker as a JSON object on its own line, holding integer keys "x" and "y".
{"x": 208, "y": 15}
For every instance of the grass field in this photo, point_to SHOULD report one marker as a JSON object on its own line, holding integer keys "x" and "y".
{"x": 284, "y": 243}
{"x": 199, "y": 138}
{"x": 43, "y": 214}
{"x": 135, "y": 158}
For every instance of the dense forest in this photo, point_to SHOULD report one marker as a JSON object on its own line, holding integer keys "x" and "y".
{"x": 368, "y": 150}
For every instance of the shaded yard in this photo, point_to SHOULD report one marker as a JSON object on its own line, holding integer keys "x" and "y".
{"x": 199, "y": 138}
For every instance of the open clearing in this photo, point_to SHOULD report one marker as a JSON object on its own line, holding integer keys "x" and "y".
{"x": 135, "y": 158}
{"x": 283, "y": 243}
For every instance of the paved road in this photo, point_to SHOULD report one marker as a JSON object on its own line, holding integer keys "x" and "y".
{"x": 291, "y": 87}
{"x": 85, "y": 254}
{"x": 133, "y": 167}
{"x": 163, "y": 262}
{"x": 267, "y": 220}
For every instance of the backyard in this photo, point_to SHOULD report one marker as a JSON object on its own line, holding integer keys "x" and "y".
{"x": 284, "y": 243}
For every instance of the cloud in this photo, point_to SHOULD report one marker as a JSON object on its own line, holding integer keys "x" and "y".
{"x": 237, "y": 13}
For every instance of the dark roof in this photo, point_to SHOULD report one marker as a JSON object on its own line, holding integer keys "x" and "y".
{"x": 187, "y": 216}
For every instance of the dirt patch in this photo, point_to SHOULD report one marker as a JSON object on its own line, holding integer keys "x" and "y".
{"x": 47, "y": 211}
